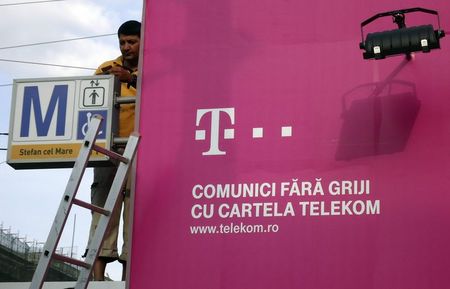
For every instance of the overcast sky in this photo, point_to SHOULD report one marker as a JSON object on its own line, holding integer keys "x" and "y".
{"x": 29, "y": 198}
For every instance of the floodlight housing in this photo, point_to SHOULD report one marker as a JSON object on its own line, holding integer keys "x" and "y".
{"x": 403, "y": 40}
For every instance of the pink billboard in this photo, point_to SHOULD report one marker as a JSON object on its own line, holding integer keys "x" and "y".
{"x": 274, "y": 156}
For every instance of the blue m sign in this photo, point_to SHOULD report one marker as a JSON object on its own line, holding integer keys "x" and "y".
{"x": 32, "y": 102}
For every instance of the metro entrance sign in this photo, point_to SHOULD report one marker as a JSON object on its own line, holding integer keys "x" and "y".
{"x": 50, "y": 117}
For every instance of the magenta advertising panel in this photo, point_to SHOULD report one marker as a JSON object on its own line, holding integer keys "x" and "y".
{"x": 273, "y": 155}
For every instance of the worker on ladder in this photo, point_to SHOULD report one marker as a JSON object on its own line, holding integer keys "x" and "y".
{"x": 125, "y": 68}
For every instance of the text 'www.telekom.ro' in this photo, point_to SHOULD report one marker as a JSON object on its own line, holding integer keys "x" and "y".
{"x": 231, "y": 228}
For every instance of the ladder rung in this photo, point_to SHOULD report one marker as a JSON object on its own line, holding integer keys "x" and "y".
{"x": 91, "y": 207}
{"x": 122, "y": 141}
{"x": 71, "y": 261}
{"x": 110, "y": 154}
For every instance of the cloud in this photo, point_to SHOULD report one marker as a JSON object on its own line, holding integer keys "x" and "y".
{"x": 43, "y": 22}
{"x": 56, "y": 21}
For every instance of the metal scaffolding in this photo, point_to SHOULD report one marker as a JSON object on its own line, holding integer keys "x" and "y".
{"x": 19, "y": 258}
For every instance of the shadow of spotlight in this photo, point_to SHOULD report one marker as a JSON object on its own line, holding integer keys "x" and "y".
{"x": 378, "y": 124}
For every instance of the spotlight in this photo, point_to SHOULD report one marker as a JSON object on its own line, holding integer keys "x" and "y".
{"x": 403, "y": 40}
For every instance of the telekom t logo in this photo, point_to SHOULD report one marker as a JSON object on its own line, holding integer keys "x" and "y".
{"x": 214, "y": 133}
{"x": 228, "y": 133}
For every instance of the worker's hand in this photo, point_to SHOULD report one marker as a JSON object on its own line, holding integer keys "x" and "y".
{"x": 123, "y": 74}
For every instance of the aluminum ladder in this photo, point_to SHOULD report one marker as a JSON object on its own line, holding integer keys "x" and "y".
{"x": 69, "y": 199}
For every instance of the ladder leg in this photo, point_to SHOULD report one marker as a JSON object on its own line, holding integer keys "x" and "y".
{"x": 65, "y": 205}
{"x": 111, "y": 202}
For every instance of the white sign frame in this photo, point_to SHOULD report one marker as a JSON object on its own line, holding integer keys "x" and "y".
{"x": 49, "y": 117}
